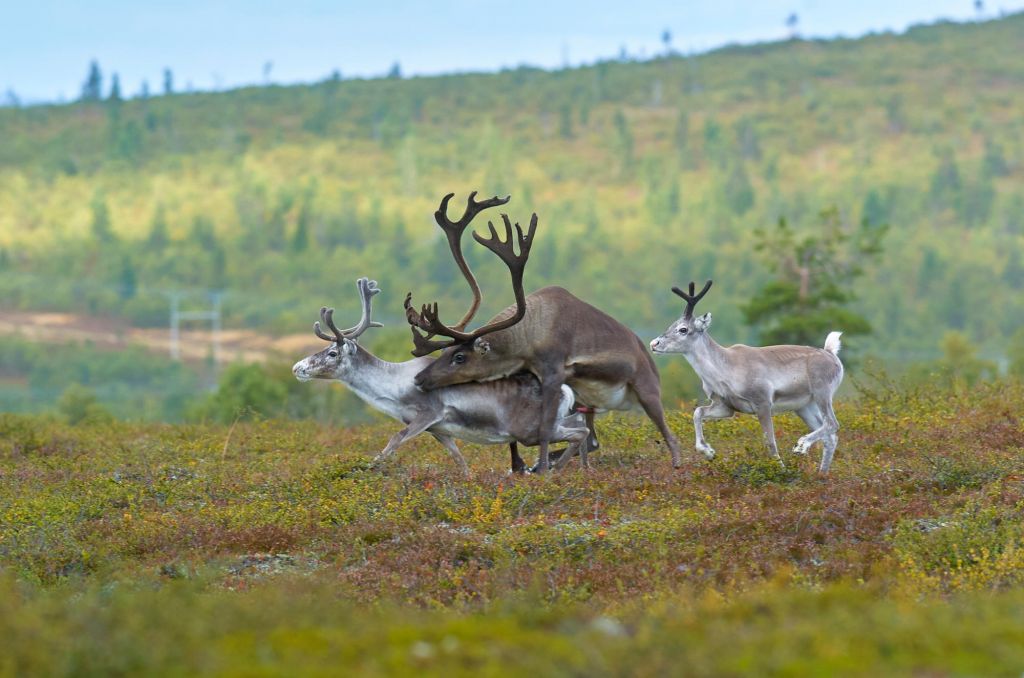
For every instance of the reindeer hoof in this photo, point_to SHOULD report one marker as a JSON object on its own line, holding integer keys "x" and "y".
{"x": 802, "y": 447}
{"x": 708, "y": 452}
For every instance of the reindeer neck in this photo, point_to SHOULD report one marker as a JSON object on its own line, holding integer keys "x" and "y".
{"x": 378, "y": 382}
{"x": 706, "y": 355}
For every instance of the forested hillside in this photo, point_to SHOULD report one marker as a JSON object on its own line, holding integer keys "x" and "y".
{"x": 644, "y": 175}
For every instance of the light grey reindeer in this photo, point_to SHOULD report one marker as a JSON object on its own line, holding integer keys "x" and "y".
{"x": 759, "y": 380}
{"x": 502, "y": 411}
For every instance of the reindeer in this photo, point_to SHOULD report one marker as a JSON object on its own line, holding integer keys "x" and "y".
{"x": 760, "y": 381}
{"x": 502, "y": 411}
{"x": 454, "y": 230}
{"x": 552, "y": 334}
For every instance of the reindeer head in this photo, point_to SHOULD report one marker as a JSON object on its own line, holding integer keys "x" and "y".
{"x": 476, "y": 360}
{"x": 336, "y": 359}
{"x": 683, "y": 333}
{"x": 468, "y": 356}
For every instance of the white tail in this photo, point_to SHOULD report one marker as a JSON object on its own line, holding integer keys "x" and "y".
{"x": 832, "y": 343}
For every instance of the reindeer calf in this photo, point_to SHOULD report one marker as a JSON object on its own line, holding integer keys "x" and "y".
{"x": 759, "y": 381}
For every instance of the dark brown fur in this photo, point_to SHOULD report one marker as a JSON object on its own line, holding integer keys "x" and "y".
{"x": 561, "y": 339}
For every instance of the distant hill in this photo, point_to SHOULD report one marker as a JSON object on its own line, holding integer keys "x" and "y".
{"x": 644, "y": 175}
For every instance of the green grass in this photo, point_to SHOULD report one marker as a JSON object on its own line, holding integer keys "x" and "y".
{"x": 273, "y": 549}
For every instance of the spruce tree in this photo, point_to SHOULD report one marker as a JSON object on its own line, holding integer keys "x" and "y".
{"x": 92, "y": 88}
{"x": 115, "y": 89}
{"x": 813, "y": 280}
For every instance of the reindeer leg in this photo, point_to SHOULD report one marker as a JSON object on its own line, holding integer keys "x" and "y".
{"x": 647, "y": 388}
{"x": 577, "y": 438}
{"x": 550, "y": 394}
{"x": 812, "y": 417}
{"x": 764, "y": 415}
{"x": 553, "y": 457}
{"x": 417, "y": 426}
{"x": 518, "y": 465}
{"x": 832, "y": 439}
{"x": 592, "y": 442}
{"x": 716, "y": 409}
{"x": 453, "y": 449}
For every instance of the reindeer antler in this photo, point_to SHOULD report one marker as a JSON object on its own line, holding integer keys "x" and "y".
{"x": 327, "y": 318}
{"x": 424, "y": 346}
{"x": 427, "y": 318}
{"x": 691, "y": 298}
{"x": 367, "y": 290}
{"x": 454, "y": 230}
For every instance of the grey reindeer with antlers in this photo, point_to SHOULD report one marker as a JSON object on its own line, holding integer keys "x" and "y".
{"x": 503, "y": 411}
{"x": 758, "y": 380}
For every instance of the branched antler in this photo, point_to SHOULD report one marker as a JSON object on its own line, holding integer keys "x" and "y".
{"x": 427, "y": 318}
{"x": 367, "y": 290}
{"x": 692, "y": 298}
{"x": 327, "y": 318}
{"x": 454, "y": 230}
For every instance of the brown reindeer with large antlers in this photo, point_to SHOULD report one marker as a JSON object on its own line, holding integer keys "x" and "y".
{"x": 454, "y": 231}
{"x": 550, "y": 333}
{"x": 503, "y": 411}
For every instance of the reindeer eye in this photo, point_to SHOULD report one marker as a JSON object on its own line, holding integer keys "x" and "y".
{"x": 332, "y": 354}
{"x": 682, "y": 330}
{"x": 459, "y": 358}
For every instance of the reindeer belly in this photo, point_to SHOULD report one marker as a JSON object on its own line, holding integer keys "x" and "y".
{"x": 479, "y": 430}
{"x": 789, "y": 403}
{"x": 603, "y": 395}
{"x": 475, "y": 435}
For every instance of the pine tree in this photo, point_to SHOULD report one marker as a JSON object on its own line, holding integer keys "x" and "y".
{"x": 681, "y": 137}
{"x": 92, "y": 88}
{"x": 128, "y": 283}
{"x": 100, "y": 226}
{"x": 946, "y": 186}
{"x": 168, "y": 81}
{"x": 624, "y": 138}
{"x": 158, "y": 236}
{"x": 813, "y": 279}
{"x": 115, "y": 89}
{"x": 300, "y": 238}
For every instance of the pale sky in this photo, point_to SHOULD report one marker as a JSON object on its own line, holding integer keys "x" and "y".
{"x": 46, "y": 46}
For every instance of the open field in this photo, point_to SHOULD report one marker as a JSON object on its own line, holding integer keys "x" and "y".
{"x": 113, "y": 333}
{"x": 271, "y": 549}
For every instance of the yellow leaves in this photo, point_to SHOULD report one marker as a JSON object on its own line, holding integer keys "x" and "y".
{"x": 481, "y": 510}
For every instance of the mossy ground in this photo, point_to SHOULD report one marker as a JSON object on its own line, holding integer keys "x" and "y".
{"x": 272, "y": 549}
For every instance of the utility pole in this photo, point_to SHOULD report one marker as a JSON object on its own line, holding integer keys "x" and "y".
{"x": 175, "y": 325}
{"x": 213, "y": 315}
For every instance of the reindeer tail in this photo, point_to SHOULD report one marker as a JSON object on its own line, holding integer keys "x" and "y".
{"x": 832, "y": 343}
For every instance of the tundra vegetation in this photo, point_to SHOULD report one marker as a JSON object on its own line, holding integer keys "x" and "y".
{"x": 270, "y": 547}
{"x": 257, "y": 539}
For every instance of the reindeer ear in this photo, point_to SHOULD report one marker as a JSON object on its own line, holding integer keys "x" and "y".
{"x": 349, "y": 346}
{"x": 703, "y": 322}
{"x": 482, "y": 346}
